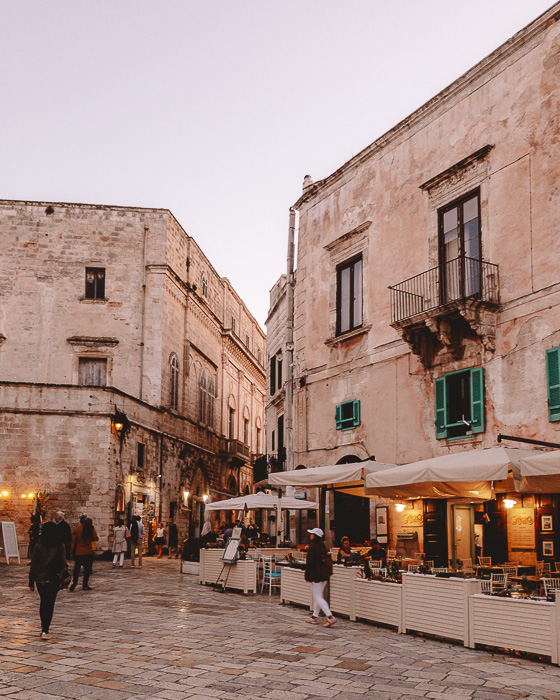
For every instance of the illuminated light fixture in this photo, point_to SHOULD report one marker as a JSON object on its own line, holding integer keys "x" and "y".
{"x": 400, "y": 507}
{"x": 30, "y": 495}
{"x": 118, "y": 427}
{"x": 205, "y": 497}
{"x": 5, "y": 493}
{"x": 24, "y": 495}
{"x": 509, "y": 502}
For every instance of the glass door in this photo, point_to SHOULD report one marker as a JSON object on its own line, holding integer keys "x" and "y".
{"x": 460, "y": 258}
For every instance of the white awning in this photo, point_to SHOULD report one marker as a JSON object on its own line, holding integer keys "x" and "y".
{"x": 472, "y": 474}
{"x": 540, "y": 473}
{"x": 264, "y": 501}
{"x": 348, "y": 478}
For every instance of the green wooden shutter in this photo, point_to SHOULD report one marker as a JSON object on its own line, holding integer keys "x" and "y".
{"x": 356, "y": 408}
{"x": 441, "y": 408}
{"x": 477, "y": 399}
{"x": 553, "y": 383}
{"x": 338, "y": 416}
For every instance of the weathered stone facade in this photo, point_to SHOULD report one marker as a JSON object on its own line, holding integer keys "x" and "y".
{"x": 164, "y": 340}
{"x": 492, "y": 136}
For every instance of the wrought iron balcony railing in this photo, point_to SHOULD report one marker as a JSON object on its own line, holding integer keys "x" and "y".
{"x": 457, "y": 280}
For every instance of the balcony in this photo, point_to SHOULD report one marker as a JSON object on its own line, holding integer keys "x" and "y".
{"x": 443, "y": 303}
{"x": 236, "y": 448}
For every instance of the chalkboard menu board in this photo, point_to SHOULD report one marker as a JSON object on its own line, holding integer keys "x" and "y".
{"x": 9, "y": 538}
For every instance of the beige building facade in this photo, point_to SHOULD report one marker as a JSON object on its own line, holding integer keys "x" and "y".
{"x": 427, "y": 298}
{"x": 132, "y": 375}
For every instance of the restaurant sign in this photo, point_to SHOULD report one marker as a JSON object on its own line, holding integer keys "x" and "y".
{"x": 521, "y": 528}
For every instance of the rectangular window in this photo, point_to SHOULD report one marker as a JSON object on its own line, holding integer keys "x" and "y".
{"x": 460, "y": 403}
{"x": 95, "y": 283}
{"x": 281, "y": 450}
{"x": 347, "y": 415}
{"x": 258, "y": 442}
{"x": 140, "y": 457}
{"x": 92, "y": 371}
{"x": 349, "y": 296}
{"x": 246, "y": 340}
{"x": 272, "y": 441}
{"x": 278, "y": 373}
{"x": 553, "y": 383}
{"x": 272, "y": 375}
{"x": 246, "y": 431}
{"x": 460, "y": 254}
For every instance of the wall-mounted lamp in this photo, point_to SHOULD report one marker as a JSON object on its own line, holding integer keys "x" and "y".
{"x": 24, "y": 495}
{"x": 5, "y": 493}
{"x": 185, "y": 497}
{"x": 205, "y": 497}
{"x": 400, "y": 507}
{"x": 120, "y": 424}
{"x": 509, "y": 502}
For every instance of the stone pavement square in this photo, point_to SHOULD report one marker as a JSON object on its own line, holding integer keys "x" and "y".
{"x": 154, "y": 633}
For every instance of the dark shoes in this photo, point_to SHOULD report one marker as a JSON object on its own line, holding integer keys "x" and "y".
{"x": 87, "y": 588}
{"x": 72, "y": 587}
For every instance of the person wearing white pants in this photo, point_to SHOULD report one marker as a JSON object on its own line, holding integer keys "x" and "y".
{"x": 318, "y": 570}
{"x": 120, "y": 542}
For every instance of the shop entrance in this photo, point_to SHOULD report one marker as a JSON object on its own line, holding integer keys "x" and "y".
{"x": 463, "y": 532}
{"x": 435, "y": 531}
{"x": 351, "y": 513}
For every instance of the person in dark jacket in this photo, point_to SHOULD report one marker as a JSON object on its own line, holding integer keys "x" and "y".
{"x": 34, "y": 532}
{"x": 318, "y": 570}
{"x": 64, "y": 532}
{"x": 83, "y": 538}
{"x": 47, "y": 562}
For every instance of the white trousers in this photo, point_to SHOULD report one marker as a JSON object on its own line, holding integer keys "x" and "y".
{"x": 320, "y": 603}
{"x": 116, "y": 556}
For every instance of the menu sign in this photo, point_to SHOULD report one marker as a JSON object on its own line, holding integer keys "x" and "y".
{"x": 521, "y": 528}
{"x": 412, "y": 518}
{"x": 9, "y": 538}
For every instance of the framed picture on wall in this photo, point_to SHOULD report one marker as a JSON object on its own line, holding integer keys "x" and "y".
{"x": 546, "y": 523}
{"x": 382, "y": 522}
{"x": 548, "y": 548}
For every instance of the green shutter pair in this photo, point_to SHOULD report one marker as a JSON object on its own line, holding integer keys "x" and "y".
{"x": 553, "y": 383}
{"x": 477, "y": 403}
{"x": 347, "y": 423}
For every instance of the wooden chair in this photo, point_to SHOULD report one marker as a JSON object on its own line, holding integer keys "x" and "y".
{"x": 485, "y": 561}
{"x": 510, "y": 569}
{"x": 542, "y": 567}
{"x": 271, "y": 575}
{"x": 391, "y": 554}
{"x": 498, "y": 582}
{"x": 413, "y": 568}
{"x": 486, "y": 586}
{"x": 551, "y": 584}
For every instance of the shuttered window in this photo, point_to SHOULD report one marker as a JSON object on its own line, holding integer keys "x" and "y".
{"x": 92, "y": 371}
{"x": 459, "y": 399}
{"x": 347, "y": 415}
{"x": 553, "y": 383}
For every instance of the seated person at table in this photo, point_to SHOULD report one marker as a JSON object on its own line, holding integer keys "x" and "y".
{"x": 344, "y": 552}
{"x": 376, "y": 551}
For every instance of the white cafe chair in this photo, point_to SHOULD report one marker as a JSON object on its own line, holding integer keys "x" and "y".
{"x": 376, "y": 563}
{"x": 271, "y": 575}
{"x": 440, "y": 570}
{"x": 498, "y": 582}
{"x": 551, "y": 584}
{"x": 486, "y": 586}
{"x": 378, "y": 571}
{"x": 413, "y": 568}
{"x": 485, "y": 561}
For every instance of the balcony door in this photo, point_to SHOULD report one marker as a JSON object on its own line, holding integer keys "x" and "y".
{"x": 460, "y": 255}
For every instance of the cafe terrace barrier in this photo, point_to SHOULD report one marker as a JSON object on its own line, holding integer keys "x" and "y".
{"x": 452, "y": 608}
{"x": 241, "y": 576}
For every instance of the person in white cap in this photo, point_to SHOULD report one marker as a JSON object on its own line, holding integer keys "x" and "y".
{"x": 318, "y": 570}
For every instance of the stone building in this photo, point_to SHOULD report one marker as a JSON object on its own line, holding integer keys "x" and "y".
{"x": 132, "y": 375}
{"x": 427, "y": 297}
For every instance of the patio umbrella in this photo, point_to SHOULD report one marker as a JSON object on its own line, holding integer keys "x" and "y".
{"x": 348, "y": 478}
{"x": 471, "y": 474}
{"x": 540, "y": 473}
{"x": 264, "y": 501}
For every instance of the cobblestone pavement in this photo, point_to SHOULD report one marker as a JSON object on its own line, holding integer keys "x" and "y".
{"x": 154, "y": 633}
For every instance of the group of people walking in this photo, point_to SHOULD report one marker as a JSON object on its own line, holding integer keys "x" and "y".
{"x": 135, "y": 535}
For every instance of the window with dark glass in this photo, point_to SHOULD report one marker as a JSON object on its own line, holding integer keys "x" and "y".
{"x": 279, "y": 372}
{"x": 210, "y": 402}
{"x": 92, "y": 371}
{"x": 347, "y": 415}
{"x": 202, "y": 398}
{"x": 140, "y": 455}
{"x": 460, "y": 403}
{"x": 174, "y": 382}
{"x": 349, "y": 296}
{"x": 460, "y": 254}
{"x": 246, "y": 431}
{"x": 231, "y": 425}
{"x": 273, "y": 374}
{"x": 281, "y": 450}
{"x": 95, "y": 283}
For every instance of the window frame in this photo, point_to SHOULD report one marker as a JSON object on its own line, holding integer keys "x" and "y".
{"x": 553, "y": 383}
{"x": 348, "y": 423}
{"x": 477, "y": 404}
{"x": 173, "y": 382}
{"x": 352, "y": 324}
{"x": 91, "y": 290}
{"x": 88, "y": 359}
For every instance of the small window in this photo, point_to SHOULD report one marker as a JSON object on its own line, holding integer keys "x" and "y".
{"x": 259, "y": 356}
{"x": 246, "y": 431}
{"x": 92, "y": 371}
{"x": 349, "y": 296}
{"x": 174, "y": 382}
{"x": 272, "y": 375}
{"x": 231, "y": 424}
{"x": 202, "y": 398}
{"x": 460, "y": 403}
{"x": 95, "y": 283}
{"x": 140, "y": 454}
{"x": 258, "y": 441}
{"x": 246, "y": 340}
{"x": 279, "y": 373}
{"x": 272, "y": 441}
{"x": 233, "y": 323}
{"x": 204, "y": 286}
{"x": 210, "y": 402}
{"x": 553, "y": 383}
{"x": 347, "y": 415}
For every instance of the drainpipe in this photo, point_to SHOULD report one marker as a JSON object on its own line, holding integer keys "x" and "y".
{"x": 143, "y": 312}
{"x": 288, "y": 408}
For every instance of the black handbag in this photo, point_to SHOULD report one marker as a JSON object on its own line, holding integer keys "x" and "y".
{"x": 64, "y": 578}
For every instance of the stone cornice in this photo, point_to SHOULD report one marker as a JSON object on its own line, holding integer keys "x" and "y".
{"x": 90, "y": 341}
{"x": 517, "y": 42}
{"x": 454, "y": 169}
{"x": 346, "y": 236}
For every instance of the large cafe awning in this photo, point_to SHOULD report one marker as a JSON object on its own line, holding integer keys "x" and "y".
{"x": 471, "y": 474}
{"x": 540, "y": 473}
{"x": 262, "y": 501}
{"x": 348, "y": 478}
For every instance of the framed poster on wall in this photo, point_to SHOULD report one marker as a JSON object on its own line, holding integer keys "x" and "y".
{"x": 382, "y": 523}
{"x": 548, "y": 548}
{"x": 546, "y": 523}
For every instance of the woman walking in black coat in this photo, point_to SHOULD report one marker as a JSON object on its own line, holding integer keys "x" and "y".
{"x": 318, "y": 570}
{"x": 47, "y": 563}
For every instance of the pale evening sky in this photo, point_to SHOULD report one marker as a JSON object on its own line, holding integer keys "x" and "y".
{"x": 216, "y": 109}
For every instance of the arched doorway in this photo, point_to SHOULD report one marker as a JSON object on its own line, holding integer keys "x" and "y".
{"x": 351, "y": 513}
{"x": 198, "y": 489}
